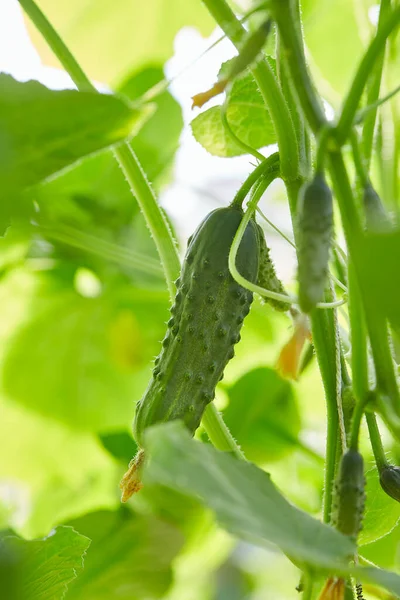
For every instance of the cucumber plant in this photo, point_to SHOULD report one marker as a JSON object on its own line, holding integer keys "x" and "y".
{"x": 346, "y": 304}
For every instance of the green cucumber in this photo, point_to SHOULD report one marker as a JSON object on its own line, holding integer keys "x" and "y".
{"x": 314, "y": 228}
{"x": 267, "y": 277}
{"x": 389, "y": 478}
{"x": 206, "y": 319}
{"x": 349, "y": 499}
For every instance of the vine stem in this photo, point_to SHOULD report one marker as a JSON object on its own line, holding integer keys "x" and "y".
{"x": 272, "y": 162}
{"x": 376, "y": 441}
{"x": 359, "y": 354}
{"x": 308, "y": 587}
{"x": 373, "y": 92}
{"x": 294, "y": 50}
{"x": 140, "y": 187}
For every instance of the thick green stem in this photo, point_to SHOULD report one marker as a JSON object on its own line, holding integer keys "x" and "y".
{"x": 325, "y": 340}
{"x": 364, "y": 71}
{"x": 288, "y": 90}
{"x": 309, "y": 99}
{"x": 386, "y": 377}
{"x": 373, "y": 92}
{"x": 268, "y": 86}
{"x": 359, "y": 354}
{"x": 308, "y": 587}
{"x": 154, "y": 217}
{"x": 376, "y": 324}
{"x": 376, "y": 441}
{"x": 137, "y": 180}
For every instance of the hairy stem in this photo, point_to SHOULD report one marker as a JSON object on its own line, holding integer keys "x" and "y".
{"x": 376, "y": 441}
{"x": 293, "y": 47}
{"x": 373, "y": 92}
{"x": 359, "y": 354}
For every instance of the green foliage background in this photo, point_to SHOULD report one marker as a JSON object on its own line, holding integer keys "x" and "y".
{"x": 83, "y": 306}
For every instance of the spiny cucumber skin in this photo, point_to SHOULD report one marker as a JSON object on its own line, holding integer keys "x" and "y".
{"x": 349, "y": 500}
{"x": 314, "y": 236}
{"x": 206, "y": 319}
{"x": 267, "y": 277}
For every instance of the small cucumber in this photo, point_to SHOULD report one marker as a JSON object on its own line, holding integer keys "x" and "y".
{"x": 267, "y": 277}
{"x": 206, "y": 319}
{"x": 349, "y": 500}
{"x": 389, "y": 479}
{"x": 314, "y": 227}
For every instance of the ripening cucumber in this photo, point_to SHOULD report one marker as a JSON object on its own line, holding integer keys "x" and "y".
{"x": 206, "y": 319}
{"x": 349, "y": 498}
{"x": 267, "y": 277}
{"x": 314, "y": 235}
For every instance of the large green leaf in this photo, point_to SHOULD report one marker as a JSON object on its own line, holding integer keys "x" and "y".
{"x": 41, "y": 569}
{"x": 247, "y": 117}
{"x": 244, "y": 498}
{"x": 378, "y": 262}
{"x": 262, "y": 415}
{"x": 130, "y": 557}
{"x": 382, "y": 513}
{"x": 95, "y": 191}
{"x": 247, "y": 503}
{"x": 84, "y": 360}
{"x": 111, "y": 39}
{"x": 43, "y": 131}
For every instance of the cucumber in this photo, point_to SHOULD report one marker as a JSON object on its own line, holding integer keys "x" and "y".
{"x": 349, "y": 501}
{"x": 389, "y": 478}
{"x": 206, "y": 319}
{"x": 314, "y": 227}
{"x": 267, "y": 277}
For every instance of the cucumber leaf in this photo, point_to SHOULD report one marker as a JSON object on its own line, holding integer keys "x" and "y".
{"x": 41, "y": 569}
{"x": 43, "y": 131}
{"x": 247, "y": 116}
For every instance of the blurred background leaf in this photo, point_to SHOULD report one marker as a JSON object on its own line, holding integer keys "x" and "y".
{"x": 110, "y": 40}
{"x": 263, "y": 415}
{"x": 42, "y": 569}
{"x": 85, "y": 359}
{"x": 130, "y": 556}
